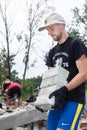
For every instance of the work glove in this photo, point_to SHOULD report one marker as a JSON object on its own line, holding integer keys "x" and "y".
{"x": 60, "y": 97}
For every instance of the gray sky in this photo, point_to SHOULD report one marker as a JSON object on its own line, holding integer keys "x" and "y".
{"x": 63, "y": 7}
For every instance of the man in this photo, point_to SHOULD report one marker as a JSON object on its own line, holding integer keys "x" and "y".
{"x": 6, "y": 83}
{"x": 4, "y": 86}
{"x": 70, "y": 53}
{"x": 14, "y": 89}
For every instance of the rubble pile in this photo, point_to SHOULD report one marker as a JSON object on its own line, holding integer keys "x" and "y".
{"x": 83, "y": 121}
{"x": 26, "y": 117}
{"x": 6, "y": 110}
{"x": 29, "y": 107}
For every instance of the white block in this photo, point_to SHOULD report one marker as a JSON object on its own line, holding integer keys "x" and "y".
{"x": 54, "y": 76}
{"x": 52, "y": 80}
{"x": 59, "y": 71}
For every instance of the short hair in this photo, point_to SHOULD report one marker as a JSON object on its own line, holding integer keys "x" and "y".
{"x": 8, "y": 77}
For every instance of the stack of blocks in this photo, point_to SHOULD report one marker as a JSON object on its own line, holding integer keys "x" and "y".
{"x": 52, "y": 80}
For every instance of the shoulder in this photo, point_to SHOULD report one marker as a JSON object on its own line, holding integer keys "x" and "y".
{"x": 76, "y": 40}
{"x": 77, "y": 43}
{"x": 52, "y": 50}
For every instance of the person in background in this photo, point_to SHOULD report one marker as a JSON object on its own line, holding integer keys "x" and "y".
{"x": 71, "y": 54}
{"x": 5, "y": 83}
{"x": 14, "y": 89}
{"x": 32, "y": 98}
{"x": 4, "y": 86}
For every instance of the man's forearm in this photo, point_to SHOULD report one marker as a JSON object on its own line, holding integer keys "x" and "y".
{"x": 76, "y": 81}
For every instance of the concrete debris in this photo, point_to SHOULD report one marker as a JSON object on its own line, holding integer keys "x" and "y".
{"x": 18, "y": 128}
{"x": 83, "y": 121}
{"x": 2, "y": 111}
{"x": 25, "y": 108}
{"x": 5, "y": 110}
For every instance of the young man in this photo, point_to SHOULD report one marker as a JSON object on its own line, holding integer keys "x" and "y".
{"x": 70, "y": 53}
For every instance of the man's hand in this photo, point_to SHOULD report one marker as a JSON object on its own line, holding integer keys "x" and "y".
{"x": 60, "y": 97}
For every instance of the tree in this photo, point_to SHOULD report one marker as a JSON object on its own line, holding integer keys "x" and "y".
{"x": 78, "y": 27}
{"x": 1, "y": 69}
{"x": 4, "y": 69}
{"x": 6, "y": 35}
{"x": 35, "y": 12}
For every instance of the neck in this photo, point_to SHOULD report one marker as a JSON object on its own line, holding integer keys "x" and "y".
{"x": 64, "y": 37}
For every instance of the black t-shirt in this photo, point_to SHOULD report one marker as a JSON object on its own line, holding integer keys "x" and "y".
{"x": 65, "y": 55}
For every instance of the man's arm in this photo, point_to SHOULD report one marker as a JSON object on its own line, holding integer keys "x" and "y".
{"x": 82, "y": 74}
{"x": 2, "y": 89}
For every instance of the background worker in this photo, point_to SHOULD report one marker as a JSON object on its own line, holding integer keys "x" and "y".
{"x": 5, "y": 83}
{"x": 14, "y": 89}
{"x": 71, "y": 54}
{"x": 4, "y": 86}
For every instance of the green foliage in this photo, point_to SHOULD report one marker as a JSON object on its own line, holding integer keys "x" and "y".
{"x": 78, "y": 27}
{"x": 29, "y": 87}
{"x": 1, "y": 74}
{"x": 4, "y": 69}
{"x": 14, "y": 75}
{"x": 86, "y": 85}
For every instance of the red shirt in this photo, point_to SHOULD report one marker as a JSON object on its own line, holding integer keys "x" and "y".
{"x": 12, "y": 85}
